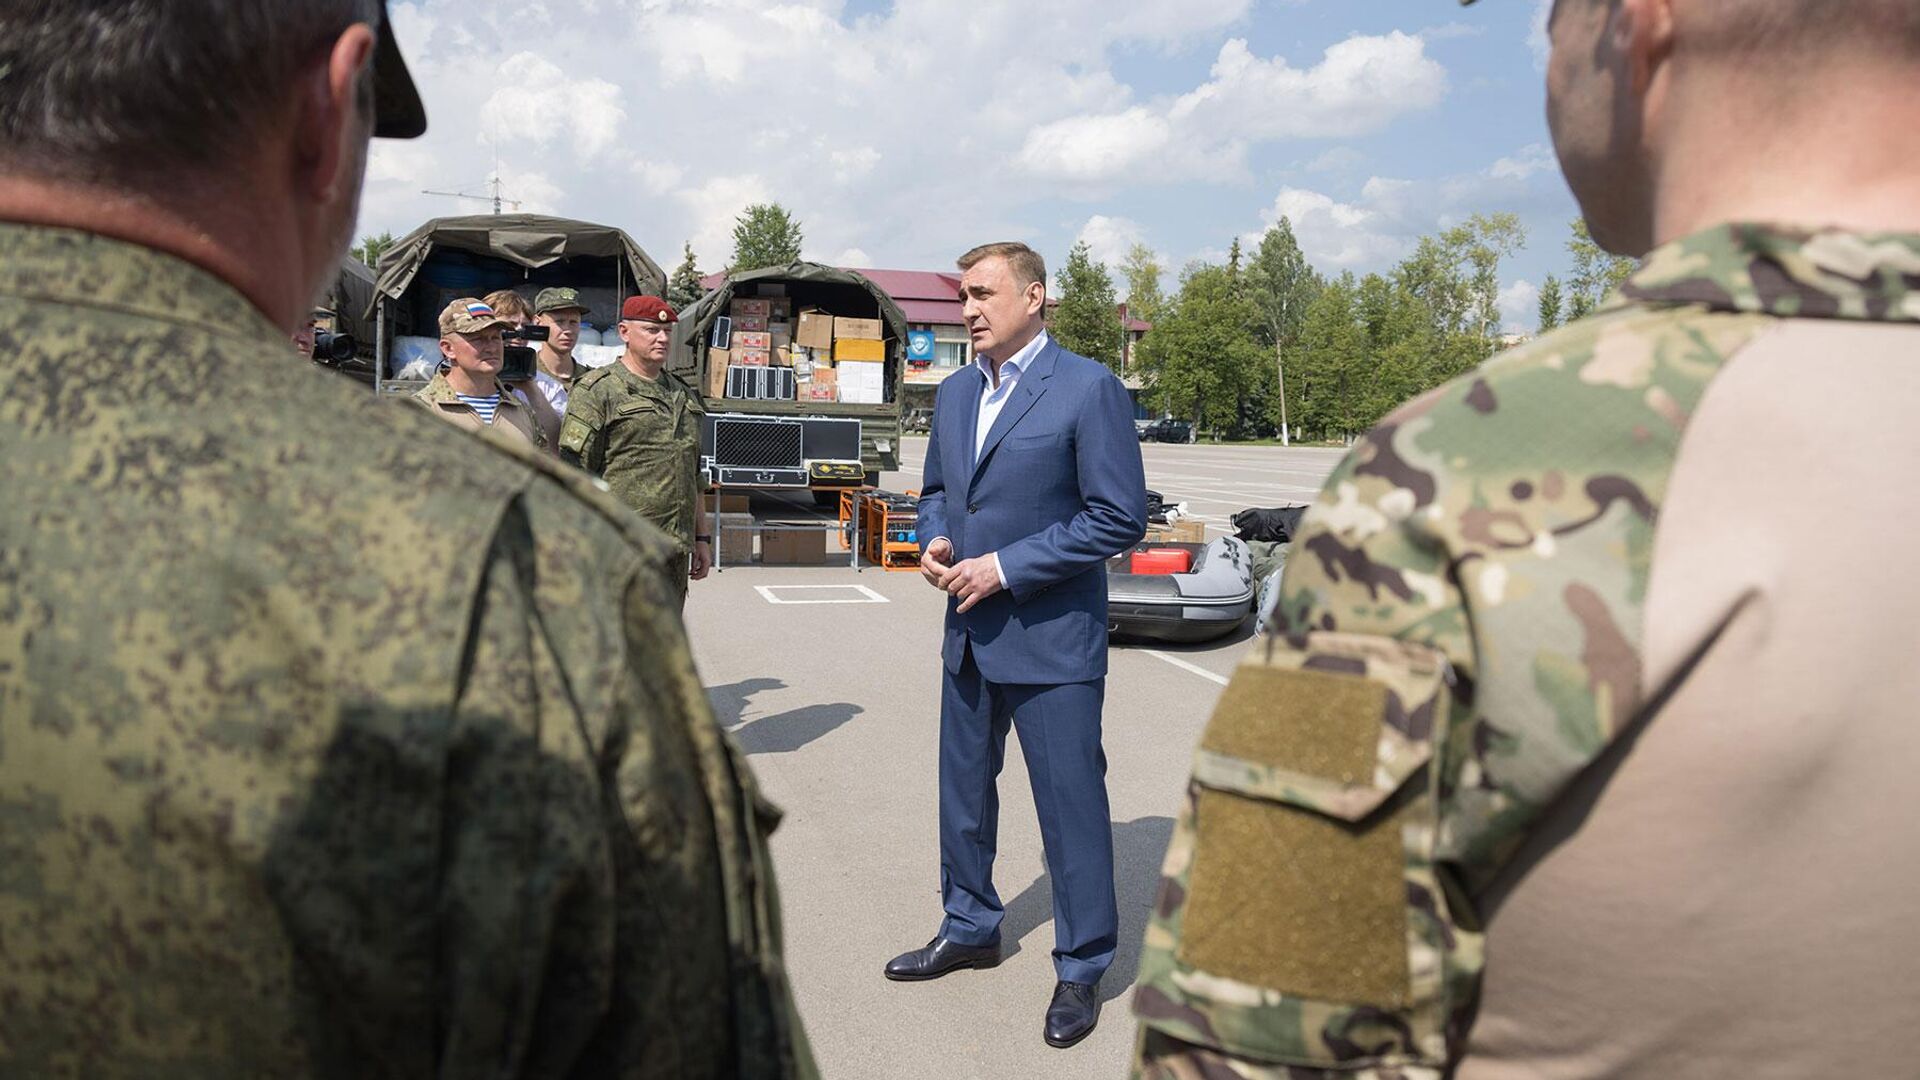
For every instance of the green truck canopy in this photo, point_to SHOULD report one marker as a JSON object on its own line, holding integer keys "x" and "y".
{"x": 528, "y": 240}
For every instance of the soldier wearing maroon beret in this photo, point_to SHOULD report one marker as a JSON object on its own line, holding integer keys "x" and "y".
{"x": 638, "y": 427}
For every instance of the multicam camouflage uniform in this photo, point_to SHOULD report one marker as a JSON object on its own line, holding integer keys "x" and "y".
{"x": 1464, "y": 632}
{"x": 643, "y": 437}
{"x": 517, "y": 421}
{"x": 324, "y": 752}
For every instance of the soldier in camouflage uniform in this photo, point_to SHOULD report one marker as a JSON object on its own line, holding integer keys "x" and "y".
{"x": 326, "y": 749}
{"x": 472, "y": 351}
{"x": 638, "y": 426}
{"x": 1586, "y": 745}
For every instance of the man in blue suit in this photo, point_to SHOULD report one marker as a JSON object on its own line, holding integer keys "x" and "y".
{"x": 1033, "y": 481}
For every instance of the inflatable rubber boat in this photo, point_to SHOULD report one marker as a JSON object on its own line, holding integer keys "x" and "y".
{"x": 1164, "y": 591}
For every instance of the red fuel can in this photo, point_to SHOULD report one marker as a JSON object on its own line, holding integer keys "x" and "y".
{"x": 1161, "y": 561}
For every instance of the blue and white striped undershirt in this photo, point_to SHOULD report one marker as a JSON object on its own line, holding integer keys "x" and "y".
{"x": 483, "y": 407}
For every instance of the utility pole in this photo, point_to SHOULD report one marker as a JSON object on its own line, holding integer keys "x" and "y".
{"x": 1280, "y": 365}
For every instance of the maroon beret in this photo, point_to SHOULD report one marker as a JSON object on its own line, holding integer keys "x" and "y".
{"x": 648, "y": 309}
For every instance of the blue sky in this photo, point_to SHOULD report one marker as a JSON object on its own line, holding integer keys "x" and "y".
{"x": 901, "y": 133}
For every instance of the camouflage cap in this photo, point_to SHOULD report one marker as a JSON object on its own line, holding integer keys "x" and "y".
{"x": 468, "y": 315}
{"x": 560, "y": 299}
{"x": 648, "y": 309}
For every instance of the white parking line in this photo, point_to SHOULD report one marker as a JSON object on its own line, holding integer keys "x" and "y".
{"x": 868, "y": 596}
{"x": 1184, "y": 666}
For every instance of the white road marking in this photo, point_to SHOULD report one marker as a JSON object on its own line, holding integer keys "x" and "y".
{"x": 1184, "y": 666}
{"x": 867, "y": 596}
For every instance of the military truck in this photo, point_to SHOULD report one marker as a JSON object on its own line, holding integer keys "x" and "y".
{"x": 451, "y": 257}
{"x": 791, "y": 442}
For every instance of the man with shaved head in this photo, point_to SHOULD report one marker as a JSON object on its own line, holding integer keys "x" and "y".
{"x": 1584, "y": 745}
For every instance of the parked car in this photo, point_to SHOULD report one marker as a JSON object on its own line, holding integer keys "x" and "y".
{"x": 1140, "y": 428}
{"x": 1168, "y": 429}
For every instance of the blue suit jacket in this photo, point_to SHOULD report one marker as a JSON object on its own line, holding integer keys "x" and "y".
{"x": 1057, "y": 491}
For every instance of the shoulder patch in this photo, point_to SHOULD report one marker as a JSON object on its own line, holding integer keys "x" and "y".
{"x": 574, "y": 434}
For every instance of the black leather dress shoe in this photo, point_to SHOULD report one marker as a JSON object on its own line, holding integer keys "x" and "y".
{"x": 1073, "y": 1013}
{"x": 939, "y": 957}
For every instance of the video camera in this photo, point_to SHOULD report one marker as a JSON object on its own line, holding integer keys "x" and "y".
{"x": 517, "y": 366}
{"x": 334, "y": 350}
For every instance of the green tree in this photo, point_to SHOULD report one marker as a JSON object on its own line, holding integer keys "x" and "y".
{"x": 370, "y": 248}
{"x": 1550, "y": 302}
{"x": 1331, "y": 373}
{"x": 1455, "y": 278}
{"x": 1142, "y": 271}
{"x": 764, "y": 234}
{"x": 1202, "y": 361}
{"x": 683, "y": 288}
{"x": 1087, "y": 319}
{"x": 1281, "y": 283}
{"x": 1595, "y": 272}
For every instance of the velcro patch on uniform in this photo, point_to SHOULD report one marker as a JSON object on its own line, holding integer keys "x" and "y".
{"x": 574, "y": 434}
{"x": 1282, "y": 896}
{"x": 1311, "y": 722}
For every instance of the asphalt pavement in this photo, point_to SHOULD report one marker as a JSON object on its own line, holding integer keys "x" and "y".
{"x": 829, "y": 679}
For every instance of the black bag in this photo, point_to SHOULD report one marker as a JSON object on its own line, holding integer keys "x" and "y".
{"x": 1273, "y": 525}
{"x": 1156, "y": 508}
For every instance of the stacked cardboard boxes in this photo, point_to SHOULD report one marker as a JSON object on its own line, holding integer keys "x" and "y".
{"x": 825, "y": 357}
{"x": 762, "y": 336}
{"x": 837, "y": 358}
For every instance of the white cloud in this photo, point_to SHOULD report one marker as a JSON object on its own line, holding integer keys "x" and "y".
{"x": 1537, "y": 39}
{"x": 1337, "y": 160}
{"x": 1109, "y": 239}
{"x": 1359, "y": 86}
{"x": 1342, "y": 235}
{"x": 904, "y": 136}
{"x": 1520, "y": 305}
{"x": 1531, "y": 159}
{"x": 1383, "y": 221}
{"x": 1097, "y": 147}
{"x": 852, "y": 256}
{"x": 534, "y": 102}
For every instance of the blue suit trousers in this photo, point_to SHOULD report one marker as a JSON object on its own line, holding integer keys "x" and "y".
{"x": 1059, "y": 730}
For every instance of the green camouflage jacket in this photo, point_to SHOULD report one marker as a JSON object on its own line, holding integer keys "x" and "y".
{"x": 1460, "y": 635}
{"x": 643, "y": 437}
{"x": 324, "y": 753}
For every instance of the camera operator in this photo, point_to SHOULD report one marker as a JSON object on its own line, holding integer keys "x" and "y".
{"x": 467, "y": 392}
{"x": 303, "y": 337}
{"x": 513, "y": 307}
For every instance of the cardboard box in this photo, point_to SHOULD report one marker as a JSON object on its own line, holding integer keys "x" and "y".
{"x": 861, "y": 383}
{"x": 780, "y": 334}
{"x": 782, "y": 356}
{"x": 752, "y": 339}
{"x": 748, "y": 308}
{"x": 749, "y": 323}
{"x": 854, "y": 349}
{"x": 816, "y": 391}
{"x": 814, "y": 329}
{"x": 780, "y": 307}
{"x": 858, "y": 329}
{"x": 717, "y": 361}
{"x": 727, "y": 504}
{"x": 1178, "y": 532}
{"x": 796, "y": 548}
{"x": 735, "y": 542}
{"x": 750, "y": 357}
